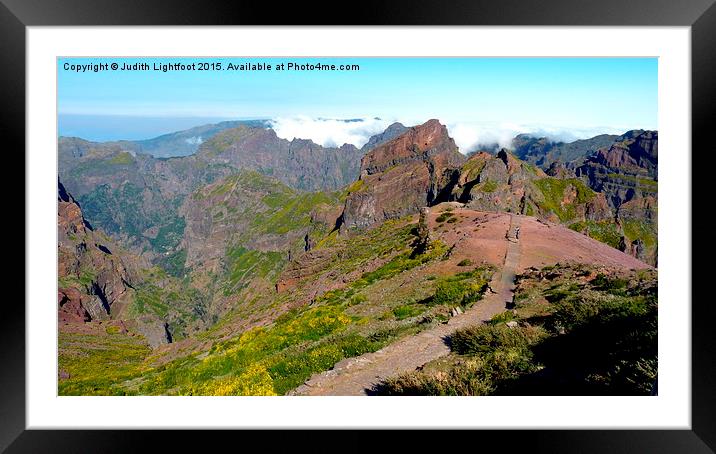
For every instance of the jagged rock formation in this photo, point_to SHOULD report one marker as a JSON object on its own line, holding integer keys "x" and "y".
{"x": 98, "y": 280}
{"x": 415, "y": 169}
{"x": 505, "y": 183}
{"x": 93, "y": 279}
{"x": 495, "y": 182}
{"x": 70, "y": 307}
{"x": 559, "y": 170}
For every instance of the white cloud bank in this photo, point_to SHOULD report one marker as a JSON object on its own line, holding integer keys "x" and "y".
{"x": 329, "y": 132}
{"x": 469, "y": 136}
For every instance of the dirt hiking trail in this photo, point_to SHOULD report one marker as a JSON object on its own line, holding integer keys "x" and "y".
{"x": 356, "y": 376}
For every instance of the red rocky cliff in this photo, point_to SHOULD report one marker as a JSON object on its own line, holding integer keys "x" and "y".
{"x": 399, "y": 177}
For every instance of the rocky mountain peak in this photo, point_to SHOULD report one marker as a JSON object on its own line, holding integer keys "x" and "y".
{"x": 418, "y": 143}
{"x": 416, "y": 169}
{"x": 391, "y": 132}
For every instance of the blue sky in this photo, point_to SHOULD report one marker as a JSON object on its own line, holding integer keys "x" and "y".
{"x": 574, "y": 96}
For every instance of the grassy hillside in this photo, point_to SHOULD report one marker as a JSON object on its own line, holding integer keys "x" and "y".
{"x": 383, "y": 300}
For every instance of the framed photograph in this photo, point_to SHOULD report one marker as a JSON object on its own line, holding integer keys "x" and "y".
{"x": 421, "y": 216}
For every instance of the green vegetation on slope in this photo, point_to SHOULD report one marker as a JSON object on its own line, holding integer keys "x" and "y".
{"x": 128, "y": 210}
{"x": 642, "y": 182}
{"x": 592, "y": 336}
{"x": 245, "y": 265}
{"x": 290, "y": 213}
{"x": 221, "y": 141}
{"x": 462, "y": 289}
{"x": 276, "y": 359}
{"x": 555, "y": 190}
{"x": 605, "y": 231}
{"x": 342, "y": 323}
{"x": 472, "y": 168}
{"x": 640, "y": 229}
{"x": 122, "y": 158}
{"x": 98, "y": 364}
{"x": 169, "y": 299}
{"x": 173, "y": 263}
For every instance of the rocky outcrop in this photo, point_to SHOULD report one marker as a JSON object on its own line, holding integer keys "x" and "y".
{"x": 415, "y": 169}
{"x": 93, "y": 279}
{"x": 424, "y": 238}
{"x": 559, "y": 170}
{"x": 70, "y": 308}
{"x": 154, "y": 330}
{"x": 495, "y": 182}
{"x": 505, "y": 183}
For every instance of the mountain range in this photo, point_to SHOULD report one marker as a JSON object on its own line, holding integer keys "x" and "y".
{"x": 250, "y": 262}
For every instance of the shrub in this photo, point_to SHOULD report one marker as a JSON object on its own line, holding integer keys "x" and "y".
{"x": 464, "y": 262}
{"x": 467, "y": 378}
{"x": 507, "y": 357}
{"x": 599, "y": 338}
{"x": 502, "y": 317}
{"x": 487, "y": 338}
{"x": 461, "y": 289}
{"x": 256, "y": 381}
{"x": 407, "y": 311}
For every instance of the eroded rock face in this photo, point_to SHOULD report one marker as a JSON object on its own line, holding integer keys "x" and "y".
{"x": 154, "y": 330}
{"x": 70, "y": 308}
{"x": 415, "y": 169}
{"x": 298, "y": 163}
{"x": 95, "y": 278}
{"x": 559, "y": 170}
{"x": 626, "y": 173}
{"x": 626, "y": 170}
{"x": 305, "y": 265}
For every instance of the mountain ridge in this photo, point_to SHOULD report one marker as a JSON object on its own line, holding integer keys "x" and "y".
{"x": 270, "y": 284}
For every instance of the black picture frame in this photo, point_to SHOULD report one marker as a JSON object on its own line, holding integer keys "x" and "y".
{"x": 700, "y": 15}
